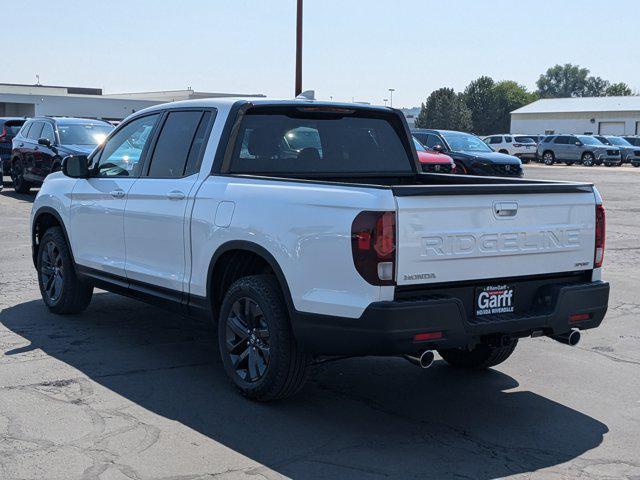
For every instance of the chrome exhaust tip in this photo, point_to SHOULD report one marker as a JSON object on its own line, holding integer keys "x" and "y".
{"x": 571, "y": 338}
{"x": 425, "y": 360}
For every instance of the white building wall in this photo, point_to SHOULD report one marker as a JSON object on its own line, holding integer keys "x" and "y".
{"x": 76, "y": 105}
{"x": 540, "y": 123}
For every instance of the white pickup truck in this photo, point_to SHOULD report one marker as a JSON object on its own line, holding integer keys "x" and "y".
{"x": 305, "y": 230}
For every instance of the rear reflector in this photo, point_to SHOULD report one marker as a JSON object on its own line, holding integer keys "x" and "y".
{"x": 600, "y": 237}
{"x": 421, "y": 337}
{"x": 579, "y": 317}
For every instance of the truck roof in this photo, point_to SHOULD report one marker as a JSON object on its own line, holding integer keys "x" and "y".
{"x": 227, "y": 102}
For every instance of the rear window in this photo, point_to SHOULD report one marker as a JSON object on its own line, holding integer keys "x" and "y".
{"x": 312, "y": 140}
{"x": 524, "y": 140}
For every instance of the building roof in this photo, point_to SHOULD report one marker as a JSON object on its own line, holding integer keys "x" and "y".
{"x": 582, "y": 104}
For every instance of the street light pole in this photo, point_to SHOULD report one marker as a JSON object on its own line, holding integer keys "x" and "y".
{"x": 391, "y": 90}
{"x": 299, "y": 49}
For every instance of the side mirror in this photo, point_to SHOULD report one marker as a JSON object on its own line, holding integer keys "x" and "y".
{"x": 44, "y": 141}
{"x": 76, "y": 166}
{"x": 579, "y": 144}
{"x": 438, "y": 148}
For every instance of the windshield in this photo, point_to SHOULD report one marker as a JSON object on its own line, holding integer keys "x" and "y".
{"x": 294, "y": 141}
{"x": 620, "y": 142}
{"x": 419, "y": 146}
{"x": 588, "y": 140}
{"x": 83, "y": 133}
{"x": 463, "y": 142}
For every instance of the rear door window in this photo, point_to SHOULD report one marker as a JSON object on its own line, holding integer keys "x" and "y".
{"x": 508, "y": 139}
{"x": 171, "y": 151}
{"x": 295, "y": 140}
{"x": 495, "y": 140}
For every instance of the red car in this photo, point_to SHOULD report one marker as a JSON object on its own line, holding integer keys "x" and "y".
{"x": 434, "y": 162}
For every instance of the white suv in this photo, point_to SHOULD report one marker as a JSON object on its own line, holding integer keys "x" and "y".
{"x": 519, "y": 146}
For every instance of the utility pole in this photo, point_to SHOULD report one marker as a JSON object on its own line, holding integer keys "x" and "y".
{"x": 299, "y": 50}
{"x": 391, "y": 90}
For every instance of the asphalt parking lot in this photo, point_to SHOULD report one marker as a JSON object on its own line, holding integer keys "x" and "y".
{"x": 128, "y": 391}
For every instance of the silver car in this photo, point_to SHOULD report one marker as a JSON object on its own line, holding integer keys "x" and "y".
{"x": 583, "y": 149}
{"x": 628, "y": 151}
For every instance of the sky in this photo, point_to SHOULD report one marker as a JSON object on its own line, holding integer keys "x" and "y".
{"x": 353, "y": 49}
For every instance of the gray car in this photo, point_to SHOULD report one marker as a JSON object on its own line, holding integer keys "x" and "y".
{"x": 629, "y": 152}
{"x": 583, "y": 149}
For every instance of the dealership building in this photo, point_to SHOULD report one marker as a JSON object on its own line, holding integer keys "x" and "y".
{"x": 584, "y": 115}
{"x": 18, "y": 100}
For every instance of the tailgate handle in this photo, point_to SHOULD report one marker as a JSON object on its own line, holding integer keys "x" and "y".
{"x": 505, "y": 209}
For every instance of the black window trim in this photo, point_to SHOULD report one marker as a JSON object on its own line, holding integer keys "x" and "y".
{"x": 158, "y": 129}
{"x": 98, "y": 151}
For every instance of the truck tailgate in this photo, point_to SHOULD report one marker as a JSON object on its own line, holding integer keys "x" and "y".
{"x": 453, "y": 238}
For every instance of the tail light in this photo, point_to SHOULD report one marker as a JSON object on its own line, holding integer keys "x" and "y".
{"x": 373, "y": 245}
{"x": 600, "y": 237}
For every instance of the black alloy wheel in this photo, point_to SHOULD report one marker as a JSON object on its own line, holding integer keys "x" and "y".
{"x": 52, "y": 273}
{"x": 247, "y": 340}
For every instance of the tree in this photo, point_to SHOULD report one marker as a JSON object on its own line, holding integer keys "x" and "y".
{"x": 595, "y": 87}
{"x": 479, "y": 96}
{"x": 509, "y": 96}
{"x": 445, "y": 109}
{"x": 563, "y": 81}
{"x": 618, "y": 90}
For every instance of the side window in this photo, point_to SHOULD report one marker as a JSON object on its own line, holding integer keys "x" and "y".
{"x": 495, "y": 140}
{"x": 433, "y": 140}
{"x": 172, "y": 149}
{"x": 547, "y": 139}
{"x": 47, "y": 132}
{"x": 121, "y": 154}
{"x": 508, "y": 139}
{"x": 35, "y": 130}
{"x": 24, "y": 131}
{"x": 561, "y": 140}
{"x": 572, "y": 140}
{"x": 198, "y": 145}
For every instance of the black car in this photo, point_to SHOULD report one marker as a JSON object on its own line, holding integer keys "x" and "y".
{"x": 471, "y": 155}
{"x": 42, "y": 143}
{"x": 632, "y": 139}
{"x": 9, "y": 127}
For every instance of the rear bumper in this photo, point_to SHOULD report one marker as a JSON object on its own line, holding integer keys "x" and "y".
{"x": 387, "y": 328}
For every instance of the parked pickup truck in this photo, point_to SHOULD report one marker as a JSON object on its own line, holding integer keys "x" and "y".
{"x": 306, "y": 230}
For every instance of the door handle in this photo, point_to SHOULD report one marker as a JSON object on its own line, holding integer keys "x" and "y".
{"x": 21, "y": 145}
{"x": 117, "y": 193}
{"x": 36, "y": 148}
{"x": 176, "y": 195}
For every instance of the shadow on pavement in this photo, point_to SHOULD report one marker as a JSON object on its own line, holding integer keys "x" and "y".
{"x": 359, "y": 418}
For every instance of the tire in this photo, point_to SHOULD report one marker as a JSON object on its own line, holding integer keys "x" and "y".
{"x": 20, "y": 185}
{"x": 588, "y": 160}
{"x": 480, "y": 357}
{"x": 548, "y": 158}
{"x": 61, "y": 290}
{"x": 636, "y": 164}
{"x": 254, "y": 324}
{"x": 525, "y": 160}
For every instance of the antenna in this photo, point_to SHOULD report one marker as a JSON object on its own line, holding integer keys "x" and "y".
{"x": 37, "y": 80}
